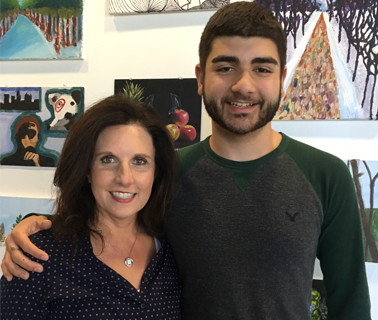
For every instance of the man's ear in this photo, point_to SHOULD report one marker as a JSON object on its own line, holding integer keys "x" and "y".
{"x": 284, "y": 73}
{"x": 199, "y": 76}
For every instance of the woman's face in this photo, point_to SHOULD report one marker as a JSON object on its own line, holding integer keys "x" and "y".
{"x": 122, "y": 172}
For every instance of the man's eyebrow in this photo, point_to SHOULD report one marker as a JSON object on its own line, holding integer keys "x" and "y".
{"x": 224, "y": 58}
{"x": 264, "y": 60}
{"x": 233, "y": 59}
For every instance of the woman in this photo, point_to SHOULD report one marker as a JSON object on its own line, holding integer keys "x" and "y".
{"x": 114, "y": 179}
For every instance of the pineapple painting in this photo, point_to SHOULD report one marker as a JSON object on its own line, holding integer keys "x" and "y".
{"x": 176, "y": 100}
{"x": 133, "y": 91}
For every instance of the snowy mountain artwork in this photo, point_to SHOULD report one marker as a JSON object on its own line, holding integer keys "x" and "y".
{"x": 40, "y": 29}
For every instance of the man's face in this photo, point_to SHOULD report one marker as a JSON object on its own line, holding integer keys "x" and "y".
{"x": 241, "y": 85}
{"x": 33, "y": 141}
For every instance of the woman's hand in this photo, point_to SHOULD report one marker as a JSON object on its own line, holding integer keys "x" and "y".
{"x": 15, "y": 263}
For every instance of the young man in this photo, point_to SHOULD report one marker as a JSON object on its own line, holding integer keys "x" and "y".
{"x": 255, "y": 207}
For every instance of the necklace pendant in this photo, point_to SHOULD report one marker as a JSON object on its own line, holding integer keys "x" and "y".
{"x": 129, "y": 262}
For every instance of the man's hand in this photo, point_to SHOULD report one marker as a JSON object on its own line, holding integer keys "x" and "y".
{"x": 32, "y": 156}
{"x": 14, "y": 259}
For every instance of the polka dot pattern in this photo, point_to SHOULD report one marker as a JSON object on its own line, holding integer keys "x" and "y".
{"x": 83, "y": 287}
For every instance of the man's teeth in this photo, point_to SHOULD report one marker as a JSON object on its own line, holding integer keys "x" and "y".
{"x": 241, "y": 105}
{"x": 122, "y": 195}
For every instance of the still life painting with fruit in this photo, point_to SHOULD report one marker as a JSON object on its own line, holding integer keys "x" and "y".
{"x": 176, "y": 100}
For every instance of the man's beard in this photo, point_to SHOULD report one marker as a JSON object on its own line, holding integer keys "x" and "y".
{"x": 266, "y": 113}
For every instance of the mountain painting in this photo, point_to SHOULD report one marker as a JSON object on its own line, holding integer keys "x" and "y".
{"x": 40, "y": 29}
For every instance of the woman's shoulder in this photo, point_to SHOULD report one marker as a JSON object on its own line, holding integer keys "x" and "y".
{"x": 165, "y": 246}
{"x": 43, "y": 238}
{"x": 54, "y": 245}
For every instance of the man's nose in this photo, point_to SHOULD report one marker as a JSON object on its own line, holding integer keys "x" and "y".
{"x": 245, "y": 84}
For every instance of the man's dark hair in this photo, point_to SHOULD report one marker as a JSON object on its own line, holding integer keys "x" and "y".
{"x": 76, "y": 213}
{"x": 24, "y": 130}
{"x": 244, "y": 19}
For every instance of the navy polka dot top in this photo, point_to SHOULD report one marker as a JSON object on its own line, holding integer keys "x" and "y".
{"x": 83, "y": 287}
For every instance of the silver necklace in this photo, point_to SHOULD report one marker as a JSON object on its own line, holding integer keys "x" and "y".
{"x": 128, "y": 261}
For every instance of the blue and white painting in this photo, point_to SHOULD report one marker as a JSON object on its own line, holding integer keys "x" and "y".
{"x": 40, "y": 29}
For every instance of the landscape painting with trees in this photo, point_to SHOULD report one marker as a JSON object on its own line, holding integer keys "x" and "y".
{"x": 365, "y": 176}
{"x": 40, "y": 29}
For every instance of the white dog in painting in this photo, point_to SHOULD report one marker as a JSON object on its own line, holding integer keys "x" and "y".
{"x": 65, "y": 109}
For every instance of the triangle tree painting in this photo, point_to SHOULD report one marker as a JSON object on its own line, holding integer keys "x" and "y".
{"x": 332, "y": 58}
{"x": 40, "y": 29}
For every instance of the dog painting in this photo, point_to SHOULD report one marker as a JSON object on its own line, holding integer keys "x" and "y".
{"x": 65, "y": 109}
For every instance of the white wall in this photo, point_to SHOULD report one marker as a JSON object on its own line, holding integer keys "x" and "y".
{"x": 157, "y": 46}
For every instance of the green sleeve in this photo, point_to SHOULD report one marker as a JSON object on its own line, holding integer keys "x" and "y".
{"x": 341, "y": 254}
{"x": 340, "y": 247}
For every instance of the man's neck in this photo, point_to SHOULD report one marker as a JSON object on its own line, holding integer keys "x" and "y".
{"x": 246, "y": 147}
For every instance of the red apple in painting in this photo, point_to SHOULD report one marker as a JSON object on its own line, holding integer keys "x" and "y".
{"x": 180, "y": 117}
{"x": 187, "y": 133}
{"x": 173, "y": 130}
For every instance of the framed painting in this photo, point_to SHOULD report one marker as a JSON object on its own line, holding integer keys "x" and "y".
{"x": 159, "y": 6}
{"x": 41, "y": 29}
{"x": 34, "y": 122}
{"x": 176, "y": 100}
{"x": 332, "y": 59}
